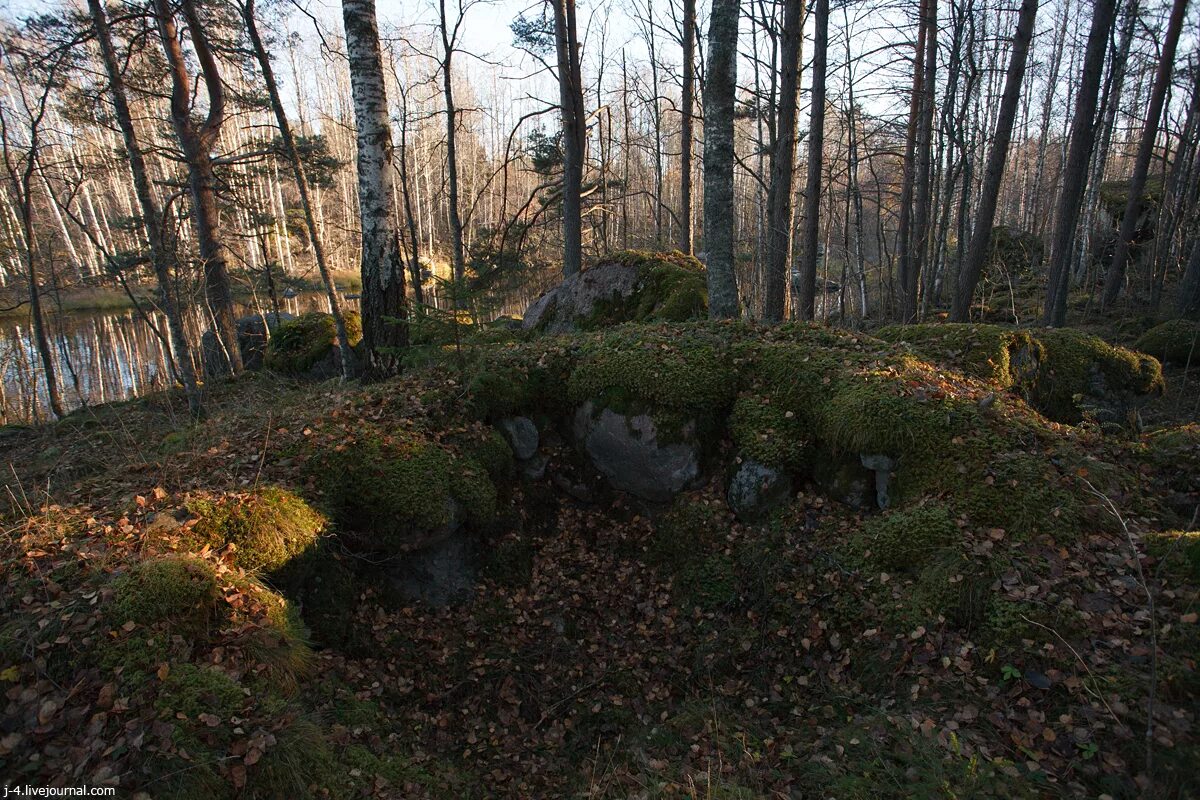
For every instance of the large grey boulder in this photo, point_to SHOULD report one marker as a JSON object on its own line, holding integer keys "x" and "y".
{"x": 563, "y": 308}
{"x": 757, "y": 489}
{"x": 625, "y": 449}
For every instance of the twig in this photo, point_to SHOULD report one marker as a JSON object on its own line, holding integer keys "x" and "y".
{"x": 1137, "y": 560}
{"x": 1082, "y": 663}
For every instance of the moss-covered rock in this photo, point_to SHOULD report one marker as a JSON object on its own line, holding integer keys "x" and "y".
{"x": 1083, "y": 373}
{"x": 1176, "y": 341}
{"x": 1014, "y": 252}
{"x": 767, "y": 433}
{"x": 1114, "y": 195}
{"x": 633, "y": 366}
{"x": 268, "y": 527}
{"x": 180, "y": 592}
{"x": 301, "y": 344}
{"x": 1064, "y": 373}
{"x": 627, "y": 286}
{"x": 403, "y": 491}
{"x": 1005, "y": 356}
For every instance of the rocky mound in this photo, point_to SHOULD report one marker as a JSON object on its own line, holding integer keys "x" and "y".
{"x": 747, "y": 561}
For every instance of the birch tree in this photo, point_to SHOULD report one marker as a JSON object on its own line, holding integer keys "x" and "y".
{"x": 384, "y": 305}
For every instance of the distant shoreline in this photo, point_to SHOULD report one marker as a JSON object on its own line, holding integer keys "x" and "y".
{"x": 114, "y": 299}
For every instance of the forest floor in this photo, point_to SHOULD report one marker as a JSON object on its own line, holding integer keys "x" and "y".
{"x": 588, "y": 661}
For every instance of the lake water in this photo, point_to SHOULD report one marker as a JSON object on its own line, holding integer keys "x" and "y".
{"x": 99, "y": 358}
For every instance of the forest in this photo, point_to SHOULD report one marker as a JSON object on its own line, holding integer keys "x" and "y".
{"x": 532, "y": 399}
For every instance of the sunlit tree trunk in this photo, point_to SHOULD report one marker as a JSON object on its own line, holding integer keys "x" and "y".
{"x": 685, "y": 126}
{"x": 783, "y": 161}
{"x": 197, "y": 143}
{"x": 384, "y": 306}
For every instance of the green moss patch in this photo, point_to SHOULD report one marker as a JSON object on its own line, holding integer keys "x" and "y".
{"x": 693, "y": 372}
{"x": 191, "y": 690}
{"x": 906, "y": 538}
{"x": 179, "y": 591}
{"x": 1005, "y": 356}
{"x": 267, "y": 527}
{"x": 1059, "y": 370}
{"x": 1179, "y": 550}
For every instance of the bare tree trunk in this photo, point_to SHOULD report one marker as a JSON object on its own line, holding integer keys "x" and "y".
{"x": 570, "y": 93}
{"x": 1110, "y": 103}
{"x": 985, "y": 215}
{"x": 298, "y": 174}
{"x": 719, "y": 219}
{"x": 1141, "y": 166}
{"x": 414, "y": 239}
{"x": 197, "y": 144}
{"x": 384, "y": 306}
{"x": 1175, "y": 194}
{"x": 816, "y": 157}
{"x": 904, "y": 224}
{"x": 1189, "y": 288}
{"x": 21, "y": 177}
{"x": 1034, "y": 221}
{"x": 457, "y": 254}
{"x": 152, "y": 220}
{"x": 923, "y": 201}
{"x": 685, "y": 126}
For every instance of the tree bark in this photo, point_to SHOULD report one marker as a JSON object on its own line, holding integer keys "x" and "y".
{"x": 457, "y": 253}
{"x": 298, "y": 174}
{"x": 908, "y": 181}
{"x": 1189, "y": 287}
{"x": 160, "y": 256}
{"x": 1141, "y": 166}
{"x": 384, "y": 305}
{"x": 923, "y": 200}
{"x": 816, "y": 158}
{"x": 570, "y": 94}
{"x": 783, "y": 161}
{"x": 197, "y": 144}
{"x": 719, "y": 218}
{"x": 985, "y": 215}
{"x": 414, "y": 239}
{"x": 685, "y": 127}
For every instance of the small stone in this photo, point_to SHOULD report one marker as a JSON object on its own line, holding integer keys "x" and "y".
{"x": 522, "y": 436}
